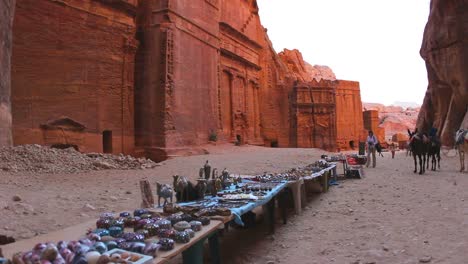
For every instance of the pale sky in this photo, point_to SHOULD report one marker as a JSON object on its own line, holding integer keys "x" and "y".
{"x": 375, "y": 42}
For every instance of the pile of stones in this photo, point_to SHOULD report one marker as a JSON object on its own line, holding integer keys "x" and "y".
{"x": 42, "y": 159}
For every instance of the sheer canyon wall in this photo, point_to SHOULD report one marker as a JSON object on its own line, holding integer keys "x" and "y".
{"x": 6, "y": 19}
{"x": 159, "y": 78}
{"x": 445, "y": 50}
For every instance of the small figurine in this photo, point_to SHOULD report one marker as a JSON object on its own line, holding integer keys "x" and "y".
{"x": 164, "y": 191}
{"x": 215, "y": 174}
{"x": 207, "y": 169}
{"x": 181, "y": 188}
{"x": 201, "y": 188}
{"x": 201, "y": 172}
{"x": 218, "y": 185}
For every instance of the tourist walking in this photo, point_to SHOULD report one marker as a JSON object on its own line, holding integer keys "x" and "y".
{"x": 392, "y": 149}
{"x": 371, "y": 142}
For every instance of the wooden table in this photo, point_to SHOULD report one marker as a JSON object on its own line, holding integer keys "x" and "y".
{"x": 192, "y": 252}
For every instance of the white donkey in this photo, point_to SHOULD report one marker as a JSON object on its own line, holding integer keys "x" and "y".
{"x": 461, "y": 143}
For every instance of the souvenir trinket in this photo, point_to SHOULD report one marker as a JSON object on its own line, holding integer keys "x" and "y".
{"x": 181, "y": 226}
{"x": 115, "y": 231}
{"x": 166, "y": 233}
{"x": 111, "y": 245}
{"x": 143, "y": 232}
{"x": 152, "y": 229}
{"x": 141, "y": 223}
{"x": 146, "y": 216}
{"x": 104, "y": 223}
{"x": 133, "y": 237}
{"x": 94, "y": 237}
{"x": 99, "y": 247}
{"x": 164, "y": 191}
{"x": 151, "y": 249}
{"x": 190, "y": 232}
{"x": 196, "y": 226}
{"x": 166, "y": 244}
{"x": 125, "y": 214}
{"x": 164, "y": 224}
{"x": 139, "y": 212}
{"x": 101, "y": 232}
{"x": 186, "y": 217}
{"x": 131, "y": 221}
{"x": 182, "y": 237}
{"x": 171, "y": 208}
{"x": 174, "y": 218}
{"x": 119, "y": 222}
{"x": 137, "y": 247}
{"x": 204, "y": 220}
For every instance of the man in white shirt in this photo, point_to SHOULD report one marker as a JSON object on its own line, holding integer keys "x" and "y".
{"x": 371, "y": 142}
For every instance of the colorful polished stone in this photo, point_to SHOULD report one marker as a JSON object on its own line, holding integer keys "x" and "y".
{"x": 196, "y": 226}
{"x": 164, "y": 224}
{"x": 124, "y": 214}
{"x": 101, "y": 232}
{"x": 143, "y": 232}
{"x": 133, "y": 237}
{"x": 182, "y": 237}
{"x": 181, "y": 226}
{"x": 167, "y": 233}
{"x": 146, "y": 216}
{"x": 141, "y": 223}
{"x": 204, "y": 220}
{"x": 190, "y": 232}
{"x": 151, "y": 249}
{"x": 166, "y": 244}
{"x": 152, "y": 229}
{"x": 139, "y": 212}
{"x": 175, "y": 218}
{"x": 104, "y": 223}
{"x": 115, "y": 231}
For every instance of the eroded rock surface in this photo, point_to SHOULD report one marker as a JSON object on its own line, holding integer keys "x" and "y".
{"x": 445, "y": 50}
{"x": 6, "y": 19}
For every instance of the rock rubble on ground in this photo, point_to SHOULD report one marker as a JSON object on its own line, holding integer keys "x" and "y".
{"x": 42, "y": 159}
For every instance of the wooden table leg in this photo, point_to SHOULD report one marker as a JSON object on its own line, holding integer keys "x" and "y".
{"x": 214, "y": 248}
{"x": 271, "y": 215}
{"x": 194, "y": 254}
{"x": 283, "y": 196}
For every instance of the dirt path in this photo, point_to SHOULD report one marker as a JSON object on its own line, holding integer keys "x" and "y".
{"x": 391, "y": 216}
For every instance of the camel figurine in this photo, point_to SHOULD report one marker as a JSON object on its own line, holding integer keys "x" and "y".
{"x": 181, "y": 188}
{"x": 164, "y": 191}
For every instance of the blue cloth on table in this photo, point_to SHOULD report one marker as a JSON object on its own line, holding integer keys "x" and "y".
{"x": 239, "y": 211}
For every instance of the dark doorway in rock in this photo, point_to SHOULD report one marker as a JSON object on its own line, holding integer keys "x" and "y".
{"x": 238, "y": 140}
{"x": 274, "y": 144}
{"x": 351, "y": 144}
{"x": 107, "y": 141}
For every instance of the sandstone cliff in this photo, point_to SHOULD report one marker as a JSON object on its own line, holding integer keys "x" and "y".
{"x": 6, "y": 18}
{"x": 445, "y": 50}
{"x": 394, "y": 119}
{"x": 302, "y": 70}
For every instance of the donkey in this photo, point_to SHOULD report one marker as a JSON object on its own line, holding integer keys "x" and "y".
{"x": 461, "y": 143}
{"x": 418, "y": 146}
{"x": 434, "y": 152}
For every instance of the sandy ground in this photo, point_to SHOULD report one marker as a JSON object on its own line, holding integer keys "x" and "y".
{"x": 391, "y": 216}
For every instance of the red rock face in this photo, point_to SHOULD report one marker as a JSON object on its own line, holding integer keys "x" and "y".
{"x": 395, "y": 119}
{"x": 72, "y": 78}
{"x": 202, "y": 68}
{"x": 302, "y": 70}
{"x": 445, "y": 50}
{"x": 349, "y": 118}
{"x": 371, "y": 122}
{"x": 6, "y": 18}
